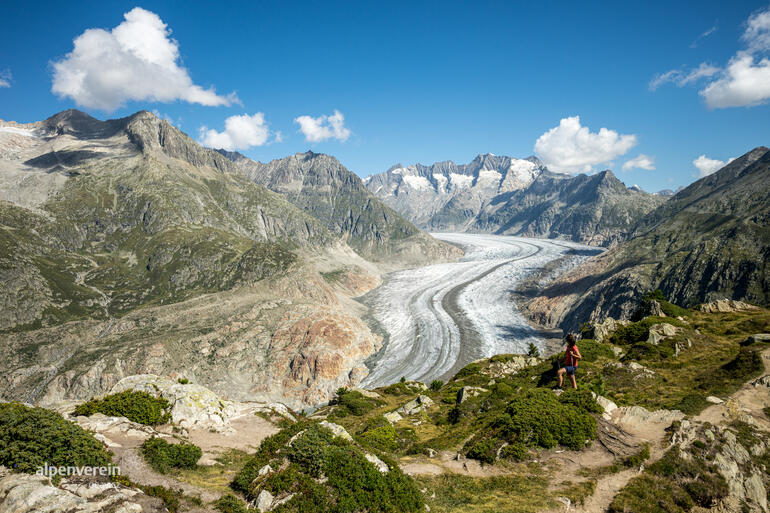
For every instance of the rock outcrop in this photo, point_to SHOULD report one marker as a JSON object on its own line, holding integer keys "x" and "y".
{"x": 705, "y": 244}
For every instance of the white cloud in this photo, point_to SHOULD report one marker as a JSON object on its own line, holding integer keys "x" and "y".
{"x": 323, "y": 127}
{"x": 707, "y": 166}
{"x": 5, "y": 78}
{"x": 681, "y": 78}
{"x": 241, "y": 132}
{"x": 571, "y": 147}
{"x": 743, "y": 84}
{"x": 757, "y": 34}
{"x": 705, "y": 34}
{"x": 642, "y": 161}
{"x": 137, "y": 60}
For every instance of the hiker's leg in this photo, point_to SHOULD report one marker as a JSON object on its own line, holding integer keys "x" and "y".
{"x": 574, "y": 383}
{"x": 561, "y": 372}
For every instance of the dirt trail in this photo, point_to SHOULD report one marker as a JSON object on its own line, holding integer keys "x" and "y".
{"x": 249, "y": 432}
{"x": 749, "y": 400}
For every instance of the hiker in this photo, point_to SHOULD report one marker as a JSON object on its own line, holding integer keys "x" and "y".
{"x": 571, "y": 357}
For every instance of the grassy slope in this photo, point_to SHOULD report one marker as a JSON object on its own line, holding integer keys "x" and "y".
{"x": 708, "y": 367}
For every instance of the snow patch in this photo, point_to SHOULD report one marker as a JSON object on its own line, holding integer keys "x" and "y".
{"x": 18, "y": 131}
{"x": 489, "y": 175}
{"x": 417, "y": 182}
{"x": 460, "y": 181}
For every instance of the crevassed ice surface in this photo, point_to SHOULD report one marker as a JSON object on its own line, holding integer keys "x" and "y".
{"x": 424, "y": 335}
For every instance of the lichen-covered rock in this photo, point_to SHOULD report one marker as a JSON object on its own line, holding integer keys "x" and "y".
{"x": 726, "y": 306}
{"x": 659, "y": 332}
{"x": 337, "y": 430}
{"x": 510, "y": 365}
{"x": 601, "y": 331}
{"x": 467, "y": 392}
{"x": 416, "y": 405}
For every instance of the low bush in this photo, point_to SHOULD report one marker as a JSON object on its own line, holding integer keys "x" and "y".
{"x": 139, "y": 407}
{"x": 484, "y": 451}
{"x": 384, "y": 438}
{"x": 592, "y": 350}
{"x": 163, "y": 456}
{"x": 537, "y": 418}
{"x": 436, "y": 385}
{"x": 397, "y": 389}
{"x": 353, "y": 402}
{"x": 674, "y": 484}
{"x": 352, "y": 483}
{"x": 229, "y": 503}
{"x": 32, "y": 437}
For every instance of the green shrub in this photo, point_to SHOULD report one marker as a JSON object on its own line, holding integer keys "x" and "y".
{"x": 691, "y": 404}
{"x": 352, "y": 483}
{"x": 163, "y": 456}
{"x": 139, "y": 407}
{"x": 32, "y": 437}
{"x": 384, "y": 438}
{"x": 183, "y": 381}
{"x": 436, "y": 385}
{"x": 454, "y": 415}
{"x": 353, "y": 402}
{"x": 502, "y": 391}
{"x": 397, "y": 389}
{"x": 516, "y": 451}
{"x": 592, "y": 350}
{"x": 538, "y": 418}
{"x": 533, "y": 351}
{"x": 484, "y": 451}
{"x": 582, "y": 399}
{"x": 229, "y": 503}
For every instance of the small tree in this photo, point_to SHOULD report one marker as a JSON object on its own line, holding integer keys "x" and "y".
{"x": 533, "y": 350}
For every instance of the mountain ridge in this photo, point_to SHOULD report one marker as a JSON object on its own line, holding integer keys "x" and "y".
{"x": 509, "y": 196}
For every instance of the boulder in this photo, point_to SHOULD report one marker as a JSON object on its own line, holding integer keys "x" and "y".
{"x": 264, "y": 501}
{"x": 337, "y": 430}
{"x": 25, "y": 493}
{"x": 467, "y": 392}
{"x": 377, "y": 462}
{"x": 192, "y": 405}
{"x": 758, "y": 338}
{"x": 660, "y": 331}
{"x": 714, "y": 400}
{"x": 764, "y": 381}
{"x": 601, "y": 331}
{"x": 510, "y": 365}
{"x": 608, "y": 406}
{"x": 392, "y": 417}
{"x": 726, "y": 306}
{"x": 420, "y": 403}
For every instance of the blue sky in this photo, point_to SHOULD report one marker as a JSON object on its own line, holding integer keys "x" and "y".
{"x": 423, "y": 81}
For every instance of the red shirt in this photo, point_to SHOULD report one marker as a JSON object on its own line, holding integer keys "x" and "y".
{"x": 569, "y": 361}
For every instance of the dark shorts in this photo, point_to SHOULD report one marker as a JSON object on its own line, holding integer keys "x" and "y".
{"x": 570, "y": 370}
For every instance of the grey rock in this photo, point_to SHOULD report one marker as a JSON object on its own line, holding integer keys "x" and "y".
{"x": 420, "y": 403}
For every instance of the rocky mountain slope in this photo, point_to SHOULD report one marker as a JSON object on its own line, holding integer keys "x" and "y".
{"x": 321, "y": 186}
{"x": 710, "y": 241}
{"x": 126, "y": 247}
{"x": 509, "y": 196}
{"x": 671, "y": 415}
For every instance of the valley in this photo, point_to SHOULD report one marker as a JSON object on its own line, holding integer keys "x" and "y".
{"x": 438, "y": 318}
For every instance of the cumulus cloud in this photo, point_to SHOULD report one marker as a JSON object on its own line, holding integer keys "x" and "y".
{"x": 241, "y": 132}
{"x": 744, "y": 82}
{"x": 323, "y": 127}
{"x": 573, "y": 148}
{"x": 682, "y": 77}
{"x": 137, "y": 60}
{"x": 5, "y": 78}
{"x": 707, "y": 166}
{"x": 641, "y": 161}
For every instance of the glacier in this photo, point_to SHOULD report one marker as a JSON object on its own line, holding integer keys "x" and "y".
{"x": 441, "y": 317}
